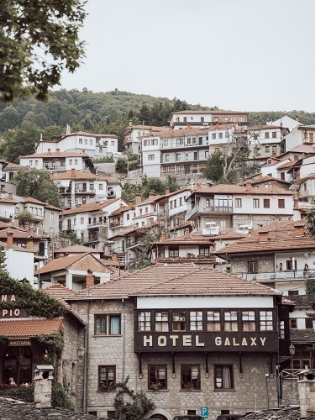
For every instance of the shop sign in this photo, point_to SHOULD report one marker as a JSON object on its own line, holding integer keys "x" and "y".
{"x": 15, "y": 343}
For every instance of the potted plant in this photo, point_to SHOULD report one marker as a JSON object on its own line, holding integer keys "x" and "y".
{"x": 156, "y": 386}
{"x": 189, "y": 386}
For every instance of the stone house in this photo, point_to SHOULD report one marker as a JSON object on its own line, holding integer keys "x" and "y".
{"x": 186, "y": 336}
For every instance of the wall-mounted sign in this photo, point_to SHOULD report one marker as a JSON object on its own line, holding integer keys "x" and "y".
{"x": 14, "y": 343}
{"x": 11, "y": 313}
{"x": 237, "y": 341}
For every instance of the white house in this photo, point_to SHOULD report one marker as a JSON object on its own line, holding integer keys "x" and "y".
{"x": 301, "y": 134}
{"x": 19, "y": 261}
{"x": 200, "y": 119}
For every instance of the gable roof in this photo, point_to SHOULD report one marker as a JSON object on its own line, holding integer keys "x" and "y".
{"x": 239, "y": 189}
{"x": 175, "y": 279}
{"x": 29, "y": 327}
{"x": 89, "y": 207}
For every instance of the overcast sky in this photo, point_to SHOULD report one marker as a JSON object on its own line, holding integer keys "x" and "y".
{"x": 245, "y": 55}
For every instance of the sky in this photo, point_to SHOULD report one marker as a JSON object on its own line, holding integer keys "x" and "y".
{"x": 242, "y": 55}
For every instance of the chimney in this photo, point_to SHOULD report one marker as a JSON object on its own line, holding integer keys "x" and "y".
{"x": 57, "y": 150}
{"x": 27, "y": 226}
{"x": 297, "y": 118}
{"x": 151, "y": 194}
{"x": 47, "y": 202}
{"x": 167, "y": 190}
{"x": 274, "y": 154}
{"x": 72, "y": 174}
{"x": 162, "y": 237}
{"x": 138, "y": 199}
{"x": 30, "y": 244}
{"x": 274, "y": 185}
{"x": 188, "y": 125}
{"x": 299, "y": 229}
{"x": 262, "y": 236}
{"x": 10, "y": 196}
{"x": 89, "y": 279}
{"x": 114, "y": 257}
{"x": 16, "y": 222}
{"x": 9, "y": 239}
{"x": 295, "y": 203}
{"x": 32, "y": 230}
{"x": 48, "y": 151}
{"x": 198, "y": 186}
{"x": 130, "y": 203}
{"x": 248, "y": 185}
{"x": 186, "y": 232}
{"x": 130, "y": 123}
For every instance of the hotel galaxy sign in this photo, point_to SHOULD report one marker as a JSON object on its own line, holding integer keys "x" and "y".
{"x": 206, "y": 341}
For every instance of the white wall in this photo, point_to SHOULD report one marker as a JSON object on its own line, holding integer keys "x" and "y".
{"x": 20, "y": 264}
{"x": 164, "y": 302}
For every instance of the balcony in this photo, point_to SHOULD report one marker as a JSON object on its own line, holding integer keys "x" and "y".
{"x": 197, "y": 210}
{"x": 279, "y": 276}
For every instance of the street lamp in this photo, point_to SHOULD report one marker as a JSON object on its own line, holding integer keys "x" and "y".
{"x": 292, "y": 350}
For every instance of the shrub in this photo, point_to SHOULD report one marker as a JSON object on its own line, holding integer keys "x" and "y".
{"x": 24, "y": 393}
{"x": 60, "y": 398}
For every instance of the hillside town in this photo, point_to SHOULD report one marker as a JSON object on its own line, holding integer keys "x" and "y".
{"x": 225, "y": 304}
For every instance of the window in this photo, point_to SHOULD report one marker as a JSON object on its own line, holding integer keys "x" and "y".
{"x": 282, "y": 176}
{"x": 281, "y": 330}
{"x": 206, "y": 154}
{"x": 82, "y": 220}
{"x": 91, "y": 142}
{"x": 166, "y": 169}
{"x": 266, "y": 203}
{"x": 238, "y": 202}
{"x": 252, "y": 266}
{"x": 256, "y": 203}
{"x": 80, "y": 141}
{"x": 223, "y": 378}
{"x": 167, "y": 158}
{"x": 204, "y": 250}
{"x": 308, "y": 323}
{"x": 52, "y": 216}
{"x": 214, "y": 136}
{"x": 196, "y": 321}
{"x": 106, "y": 378}
{"x": 144, "y": 321}
{"x": 128, "y": 216}
{"x": 281, "y": 203}
{"x": 113, "y": 143}
{"x": 267, "y": 136}
{"x": 274, "y": 134}
{"x": 248, "y": 321}
{"x": 161, "y": 321}
{"x": 177, "y": 156}
{"x": 70, "y": 161}
{"x": 166, "y": 142}
{"x": 267, "y": 149}
{"x": 290, "y": 266}
{"x": 157, "y": 377}
{"x": 293, "y": 293}
{"x": 100, "y": 187}
{"x": 151, "y": 157}
{"x": 213, "y": 321}
{"x": 179, "y": 323}
{"x": 174, "y": 251}
{"x": 220, "y": 135}
{"x": 190, "y": 377}
{"x": 85, "y": 141}
{"x": 293, "y": 323}
{"x": 230, "y": 321}
{"x": 107, "y": 324}
{"x": 266, "y": 321}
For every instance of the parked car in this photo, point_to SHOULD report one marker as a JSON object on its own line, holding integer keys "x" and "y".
{"x": 229, "y": 416}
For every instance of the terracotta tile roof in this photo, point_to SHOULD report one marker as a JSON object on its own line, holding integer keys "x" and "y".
{"x": 288, "y": 164}
{"x": 210, "y": 112}
{"x": 80, "y": 262}
{"x": 121, "y": 209}
{"x": 239, "y": 189}
{"x": 304, "y": 301}
{"x": 16, "y": 248}
{"x": 302, "y": 336}
{"x": 93, "y": 206}
{"x": 263, "y": 179}
{"x": 281, "y": 237}
{"x": 175, "y": 279}
{"x": 29, "y": 327}
{"x": 4, "y": 225}
{"x": 12, "y": 166}
{"x": 197, "y": 238}
{"x": 77, "y": 249}
{"x": 60, "y": 292}
{"x": 303, "y": 148}
{"x": 137, "y": 230}
{"x": 19, "y": 234}
{"x": 149, "y": 200}
{"x": 83, "y": 133}
{"x": 301, "y": 180}
{"x": 35, "y": 201}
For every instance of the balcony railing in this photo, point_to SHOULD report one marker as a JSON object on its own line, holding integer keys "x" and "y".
{"x": 211, "y": 209}
{"x": 277, "y": 275}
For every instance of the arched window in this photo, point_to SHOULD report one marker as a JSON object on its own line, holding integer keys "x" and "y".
{"x": 17, "y": 364}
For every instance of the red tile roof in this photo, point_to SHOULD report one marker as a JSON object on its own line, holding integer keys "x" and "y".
{"x": 55, "y": 154}
{"x": 93, "y": 206}
{"x": 175, "y": 279}
{"x": 77, "y": 249}
{"x": 29, "y": 327}
{"x": 239, "y": 189}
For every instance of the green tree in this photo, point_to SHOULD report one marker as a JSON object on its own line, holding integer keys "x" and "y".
{"x": 149, "y": 236}
{"x": 25, "y": 217}
{"x": 22, "y": 141}
{"x": 9, "y": 118}
{"x": 27, "y": 27}
{"x": 135, "y": 407}
{"x": 214, "y": 167}
{"x": 121, "y": 166}
{"x": 37, "y": 183}
{"x": 2, "y": 259}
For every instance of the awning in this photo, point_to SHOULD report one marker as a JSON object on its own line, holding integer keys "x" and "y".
{"x": 29, "y": 327}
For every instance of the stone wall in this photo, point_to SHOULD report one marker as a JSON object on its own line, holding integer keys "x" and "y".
{"x": 257, "y": 220}
{"x": 290, "y": 392}
{"x": 250, "y": 387}
{"x": 265, "y": 264}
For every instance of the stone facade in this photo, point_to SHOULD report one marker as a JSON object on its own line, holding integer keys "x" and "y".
{"x": 257, "y": 220}
{"x": 249, "y": 391}
{"x": 265, "y": 263}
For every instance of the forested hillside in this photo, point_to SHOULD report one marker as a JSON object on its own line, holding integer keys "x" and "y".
{"x": 22, "y": 122}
